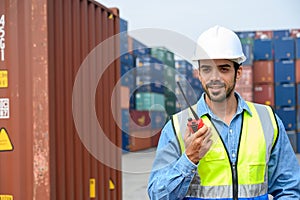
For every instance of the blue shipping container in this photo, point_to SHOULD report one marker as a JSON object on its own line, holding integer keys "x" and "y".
{"x": 263, "y": 49}
{"x": 281, "y": 34}
{"x": 285, "y": 95}
{"x": 284, "y": 48}
{"x": 123, "y": 25}
{"x": 127, "y": 59}
{"x": 158, "y": 119}
{"x": 140, "y": 49}
{"x": 248, "y": 51}
{"x": 284, "y": 71}
{"x": 298, "y": 94}
{"x": 152, "y": 87}
{"x": 128, "y": 80}
{"x": 288, "y": 117}
{"x": 297, "y": 46}
{"x": 125, "y": 142}
{"x": 184, "y": 67}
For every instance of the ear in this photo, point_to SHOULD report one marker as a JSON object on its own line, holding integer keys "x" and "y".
{"x": 239, "y": 73}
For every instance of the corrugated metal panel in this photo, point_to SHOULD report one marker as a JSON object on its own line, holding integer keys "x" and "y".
{"x": 45, "y": 44}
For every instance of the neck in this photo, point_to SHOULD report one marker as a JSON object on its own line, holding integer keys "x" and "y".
{"x": 225, "y": 110}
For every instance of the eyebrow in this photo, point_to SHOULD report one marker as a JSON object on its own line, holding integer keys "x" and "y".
{"x": 223, "y": 65}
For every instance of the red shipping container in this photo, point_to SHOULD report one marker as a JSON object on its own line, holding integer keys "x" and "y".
{"x": 155, "y": 137}
{"x": 247, "y": 77}
{"x": 264, "y": 94}
{"x": 295, "y": 33}
{"x": 246, "y": 92}
{"x": 263, "y": 34}
{"x": 140, "y": 140}
{"x": 297, "y": 70}
{"x": 263, "y": 72}
{"x": 139, "y": 120}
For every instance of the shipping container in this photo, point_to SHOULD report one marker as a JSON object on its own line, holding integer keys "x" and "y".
{"x": 277, "y": 34}
{"x": 284, "y": 71}
{"x": 297, "y": 48}
{"x": 47, "y": 155}
{"x": 288, "y": 116}
{"x": 264, "y": 94}
{"x": 297, "y": 70}
{"x": 263, "y": 71}
{"x": 263, "y": 49}
{"x": 284, "y": 48}
{"x": 285, "y": 94}
{"x": 265, "y": 34}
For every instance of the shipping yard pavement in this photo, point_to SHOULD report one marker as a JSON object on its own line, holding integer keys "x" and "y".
{"x": 136, "y": 168}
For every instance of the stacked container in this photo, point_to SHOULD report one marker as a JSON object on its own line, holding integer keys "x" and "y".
{"x": 296, "y": 35}
{"x": 274, "y": 76}
{"x": 127, "y": 83}
{"x": 49, "y": 113}
{"x": 284, "y": 78}
{"x": 244, "y": 85}
{"x": 168, "y": 73}
{"x": 188, "y": 78}
{"x": 263, "y": 68}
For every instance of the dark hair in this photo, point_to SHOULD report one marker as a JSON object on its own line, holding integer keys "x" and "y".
{"x": 236, "y": 66}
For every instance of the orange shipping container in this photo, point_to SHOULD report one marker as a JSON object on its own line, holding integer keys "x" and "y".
{"x": 297, "y": 70}
{"x": 53, "y": 157}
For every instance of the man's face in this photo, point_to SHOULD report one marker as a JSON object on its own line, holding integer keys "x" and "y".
{"x": 218, "y": 78}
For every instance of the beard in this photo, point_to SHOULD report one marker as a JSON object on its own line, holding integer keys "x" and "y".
{"x": 217, "y": 91}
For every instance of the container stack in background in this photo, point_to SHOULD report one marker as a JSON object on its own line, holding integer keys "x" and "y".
{"x": 296, "y": 34}
{"x": 187, "y": 76}
{"x": 275, "y": 75}
{"x": 285, "y": 82}
{"x": 271, "y": 76}
{"x": 149, "y": 92}
{"x": 244, "y": 85}
{"x": 127, "y": 82}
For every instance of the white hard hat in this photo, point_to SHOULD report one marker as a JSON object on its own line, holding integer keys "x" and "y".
{"x": 219, "y": 43}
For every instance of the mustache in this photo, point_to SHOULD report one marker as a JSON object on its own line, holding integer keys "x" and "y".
{"x": 215, "y": 83}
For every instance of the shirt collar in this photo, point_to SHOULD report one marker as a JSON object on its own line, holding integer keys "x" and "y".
{"x": 203, "y": 109}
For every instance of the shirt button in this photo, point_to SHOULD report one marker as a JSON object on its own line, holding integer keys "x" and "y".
{"x": 233, "y": 155}
{"x": 230, "y": 131}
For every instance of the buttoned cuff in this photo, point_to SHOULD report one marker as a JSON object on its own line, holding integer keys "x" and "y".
{"x": 187, "y": 167}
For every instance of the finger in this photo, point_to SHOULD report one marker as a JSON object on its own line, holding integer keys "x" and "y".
{"x": 187, "y": 133}
{"x": 201, "y": 131}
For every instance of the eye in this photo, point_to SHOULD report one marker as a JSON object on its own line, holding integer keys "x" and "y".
{"x": 205, "y": 69}
{"x": 224, "y": 69}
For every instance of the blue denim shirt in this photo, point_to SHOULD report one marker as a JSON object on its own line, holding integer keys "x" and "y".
{"x": 173, "y": 172}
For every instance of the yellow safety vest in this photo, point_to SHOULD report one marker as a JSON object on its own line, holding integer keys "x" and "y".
{"x": 248, "y": 178}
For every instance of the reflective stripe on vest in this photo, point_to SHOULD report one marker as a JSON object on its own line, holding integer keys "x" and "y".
{"x": 215, "y": 169}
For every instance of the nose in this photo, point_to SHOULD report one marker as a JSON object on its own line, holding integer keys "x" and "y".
{"x": 215, "y": 75}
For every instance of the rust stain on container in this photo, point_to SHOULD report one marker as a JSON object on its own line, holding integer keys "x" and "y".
{"x": 46, "y": 41}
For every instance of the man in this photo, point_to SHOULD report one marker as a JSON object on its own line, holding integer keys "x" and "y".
{"x": 241, "y": 152}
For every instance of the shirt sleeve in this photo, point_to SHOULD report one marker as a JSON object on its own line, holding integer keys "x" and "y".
{"x": 284, "y": 169}
{"x": 172, "y": 171}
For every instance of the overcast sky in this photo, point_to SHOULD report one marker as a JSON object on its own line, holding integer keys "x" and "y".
{"x": 191, "y": 17}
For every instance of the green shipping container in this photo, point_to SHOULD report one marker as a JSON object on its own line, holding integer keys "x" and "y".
{"x": 150, "y": 101}
{"x": 164, "y": 55}
{"x": 170, "y": 103}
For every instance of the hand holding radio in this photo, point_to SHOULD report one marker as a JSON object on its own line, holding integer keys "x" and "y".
{"x": 199, "y": 142}
{"x": 194, "y": 124}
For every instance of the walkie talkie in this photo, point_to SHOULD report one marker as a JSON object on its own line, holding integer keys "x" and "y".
{"x": 193, "y": 124}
